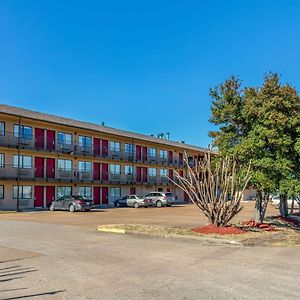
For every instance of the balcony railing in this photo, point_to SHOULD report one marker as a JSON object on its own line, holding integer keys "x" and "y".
{"x": 75, "y": 175}
{"x": 33, "y": 143}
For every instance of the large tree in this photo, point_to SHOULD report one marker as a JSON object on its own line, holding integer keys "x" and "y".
{"x": 261, "y": 124}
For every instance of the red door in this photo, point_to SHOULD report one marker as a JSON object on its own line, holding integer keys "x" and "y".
{"x": 39, "y": 138}
{"x": 105, "y": 195}
{"x": 138, "y": 152}
{"x": 171, "y": 174}
{"x": 145, "y": 174}
{"x": 96, "y": 147}
{"x": 145, "y": 156}
{"x": 96, "y": 171}
{"x": 170, "y": 157}
{"x": 104, "y": 171}
{"x": 138, "y": 174}
{"x": 39, "y": 167}
{"x": 104, "y": 148}
{"x": 132, "y": 190}
{"x": 50, "y": 194}
{"x": 96, "y": 195}
{"x": 168, "y": 190}
{"x": 50, "y": 139}
{"x": 50, "y": 168}
{"x": 38, "y": 196}
{"x": 180, "y": 173}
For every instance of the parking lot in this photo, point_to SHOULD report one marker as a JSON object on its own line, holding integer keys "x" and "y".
{"x": 178, "y": 215}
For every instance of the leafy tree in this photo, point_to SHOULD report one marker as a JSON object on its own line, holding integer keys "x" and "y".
{"x": 261, "y": 124}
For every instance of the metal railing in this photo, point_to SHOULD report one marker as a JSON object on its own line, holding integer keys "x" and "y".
{"x": 10, "y": 140}
{"x": 74, "y": 175}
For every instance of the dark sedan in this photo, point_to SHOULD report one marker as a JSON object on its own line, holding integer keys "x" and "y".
{"x": 122, "y": 202}
{"x": 72, "y": 203}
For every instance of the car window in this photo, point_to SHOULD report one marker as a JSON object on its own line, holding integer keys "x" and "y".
{"x": 169, "y": 194}
{"x": 148, "y": 195}
{"x": 156, "y": 194}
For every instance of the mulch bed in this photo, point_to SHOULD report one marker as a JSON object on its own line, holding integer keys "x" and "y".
{"x": 289, "y": 220}
{"x": 212, "y": 229}
{"x": 263, "y": 226}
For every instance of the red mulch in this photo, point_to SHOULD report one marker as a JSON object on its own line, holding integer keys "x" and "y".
{"x": 263, "y": 226}
{"x": 212, "y": 229}
{"x": 289, "y": 220}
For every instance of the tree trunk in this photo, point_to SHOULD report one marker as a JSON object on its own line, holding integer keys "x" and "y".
{"x": 283, "y": 207}
{"x": 292, "y": 207}
{"x": 261, "y": 205}
{"x": 258, "y": 208}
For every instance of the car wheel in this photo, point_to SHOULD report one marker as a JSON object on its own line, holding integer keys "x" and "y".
{"x": 136, "y": 205}
{"x": 72, "y": 208}
{"x": 87, "y": 209}
{"x": 158, "y": 203}
{"x": 146, "y": 206}
{"x": 52, "y": 207}
{"x": 168, "y": 205}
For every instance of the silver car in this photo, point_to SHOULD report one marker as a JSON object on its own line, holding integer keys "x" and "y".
{"x": 160, "y": 199}
{"x": 136, "y": 201}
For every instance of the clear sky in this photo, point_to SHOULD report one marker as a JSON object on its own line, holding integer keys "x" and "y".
{"x": 143, "y": 66}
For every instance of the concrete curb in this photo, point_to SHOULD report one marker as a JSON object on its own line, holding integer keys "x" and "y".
{"x": 204, "y": 240}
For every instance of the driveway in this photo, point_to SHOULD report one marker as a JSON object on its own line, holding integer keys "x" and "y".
{"x": 55, "y": 261}
{"x": 179, "y": 215}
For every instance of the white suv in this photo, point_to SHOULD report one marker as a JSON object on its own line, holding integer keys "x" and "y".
{"x": 160, "y": 199}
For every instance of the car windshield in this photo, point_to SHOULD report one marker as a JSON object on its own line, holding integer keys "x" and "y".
{"x": 169, "y": 194}
{"x": 79, "y": 197}
{"x": 139, "y": 196}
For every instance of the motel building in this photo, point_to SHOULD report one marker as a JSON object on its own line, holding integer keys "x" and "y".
{"x": 47, "y": 156}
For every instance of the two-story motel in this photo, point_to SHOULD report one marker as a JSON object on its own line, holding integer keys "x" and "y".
{"x": 44, "y": 156}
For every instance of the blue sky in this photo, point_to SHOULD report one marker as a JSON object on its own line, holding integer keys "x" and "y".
{"x": 143, "y": 66}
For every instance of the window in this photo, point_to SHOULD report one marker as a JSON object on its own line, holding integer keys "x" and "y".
{"x": 114, "y": 146}
{"x": 25, "y": 192}
{"x": 163, "y": 154}
{"x": 128, "y": 148}
{"x": 85, "y": 166}
{"x": 24, "y": 132}
{"x": 128, "y": 170}
{"x": 152, "y": 152}
{"x": 2, "y": 128}
{"x": 152, "y": 171}
{"x": 2, "y": 160}
{"x": 64, "y": 191}
{"x": 1, "y": 191}
{"x": 24, "y": 161}
{"x": 163, "y": 172}
{"x": 85, "y": 191}
{"x": 64, "y": 165}
{"x": 64, "y": 138}
{"x": 115, "y": 169}
{"x": 115, "y": 192}
{"x": 85, "y": 141}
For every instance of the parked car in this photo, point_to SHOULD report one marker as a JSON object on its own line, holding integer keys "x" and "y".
{"x": 136, "y": 201}
{"x": 160, "y": 199}
{"x": 72, "y": 203}
{"x": 122, "y": 202}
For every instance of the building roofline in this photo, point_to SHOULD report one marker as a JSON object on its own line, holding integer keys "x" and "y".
{"x": 44, "y": 117}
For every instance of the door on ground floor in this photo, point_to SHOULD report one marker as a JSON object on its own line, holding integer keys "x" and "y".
{"x": 50, "y": 194}
{"x": 132, "y": 190}
{"x": 96, "y": 195}
{"x": 105, "y": 195}
{"x": 38, "y": 196}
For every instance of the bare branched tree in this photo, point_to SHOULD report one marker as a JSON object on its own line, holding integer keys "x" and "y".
{"x": 215, "y": 187}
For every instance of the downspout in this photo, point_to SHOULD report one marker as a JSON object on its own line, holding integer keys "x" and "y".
{"x": 18, "y": 170}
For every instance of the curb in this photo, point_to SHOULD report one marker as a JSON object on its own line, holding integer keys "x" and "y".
{"x": 204, "y": 240}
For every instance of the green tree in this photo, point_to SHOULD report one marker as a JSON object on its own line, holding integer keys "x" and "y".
{"x": 261, "y": 124}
